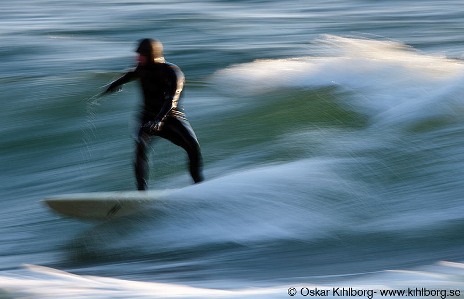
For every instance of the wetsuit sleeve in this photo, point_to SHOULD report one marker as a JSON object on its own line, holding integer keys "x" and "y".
{"x": 127, "y": 77}
{"x": 172, "y": 96}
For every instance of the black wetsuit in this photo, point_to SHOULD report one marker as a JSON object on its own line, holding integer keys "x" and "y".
{"x": 162, "y": 85}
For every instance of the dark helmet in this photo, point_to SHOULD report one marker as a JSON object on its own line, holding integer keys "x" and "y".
{"x": 150, "y": 48}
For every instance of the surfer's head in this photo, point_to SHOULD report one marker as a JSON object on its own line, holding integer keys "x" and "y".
{"x": 150, "y": 50}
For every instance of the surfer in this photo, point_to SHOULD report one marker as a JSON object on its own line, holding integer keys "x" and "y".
{"x": 162, "y": 85}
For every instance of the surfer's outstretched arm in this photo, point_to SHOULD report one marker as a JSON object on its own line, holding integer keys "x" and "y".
{"x": 127, "y": 77}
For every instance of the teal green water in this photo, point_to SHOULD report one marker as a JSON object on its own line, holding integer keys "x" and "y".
{"x": 332, "y": 135}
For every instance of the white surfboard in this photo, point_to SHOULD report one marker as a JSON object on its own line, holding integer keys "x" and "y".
{"x": 103, "y": 205}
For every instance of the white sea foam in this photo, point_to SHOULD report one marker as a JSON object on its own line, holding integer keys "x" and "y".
{"x": 39, "y": 282}
{"x": 390, "y": 82}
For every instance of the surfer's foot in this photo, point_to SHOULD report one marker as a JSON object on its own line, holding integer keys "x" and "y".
{"x": 142, "y": 185}
{"x": 198, "y": 179}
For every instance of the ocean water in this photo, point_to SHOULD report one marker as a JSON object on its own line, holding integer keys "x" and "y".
{"x": 332, "y": 134}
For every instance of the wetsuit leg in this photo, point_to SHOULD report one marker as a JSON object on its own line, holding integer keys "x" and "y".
{"x": 179, "y": 132}
{"x": 141, "y": 160}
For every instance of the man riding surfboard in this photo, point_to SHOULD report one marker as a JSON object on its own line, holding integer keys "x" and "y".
{"x": 162, "y": 85}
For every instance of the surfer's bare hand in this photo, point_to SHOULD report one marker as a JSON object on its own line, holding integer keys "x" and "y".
{"x": 111, "y": 89}
{"x": 153, "y": 126}
{"x": 157, "y": 126}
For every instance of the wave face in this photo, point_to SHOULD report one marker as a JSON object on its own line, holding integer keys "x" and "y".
{"x": 331, "y": 159}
